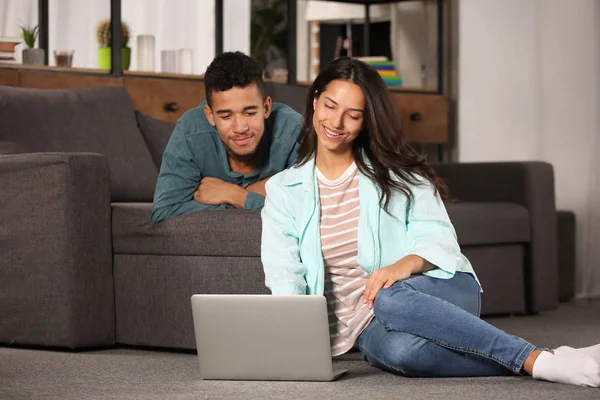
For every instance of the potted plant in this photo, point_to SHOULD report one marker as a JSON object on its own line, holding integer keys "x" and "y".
{"x": 31, "y": 55}
{"x": 268, "y": 35}
{"x": 103, "y": 37}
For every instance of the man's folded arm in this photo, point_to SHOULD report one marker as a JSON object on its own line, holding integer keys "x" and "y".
{"x": 178, "y": 180}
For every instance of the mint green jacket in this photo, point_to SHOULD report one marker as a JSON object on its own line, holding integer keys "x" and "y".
{"x": 291, "y": 241}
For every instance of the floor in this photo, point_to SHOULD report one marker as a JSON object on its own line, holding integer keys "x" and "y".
{"x": 126, "y": 373}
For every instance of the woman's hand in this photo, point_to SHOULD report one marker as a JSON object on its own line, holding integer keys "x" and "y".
{"x": 387, "y": 276}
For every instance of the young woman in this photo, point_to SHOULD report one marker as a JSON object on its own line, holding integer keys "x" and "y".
{"x": 360, "y": 219}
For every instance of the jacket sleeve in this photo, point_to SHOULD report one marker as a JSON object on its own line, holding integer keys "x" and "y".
{"x": 280, "y": 254}
{"x": 431, "y": 234}
{"x": 178, "y": 180}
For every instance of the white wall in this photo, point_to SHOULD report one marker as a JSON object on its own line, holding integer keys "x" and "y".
{"x": 529, "y": 90}
{"x": 302, "y": 42}
{"x": 497, "y": 80}
{"x": 236, "y": 14}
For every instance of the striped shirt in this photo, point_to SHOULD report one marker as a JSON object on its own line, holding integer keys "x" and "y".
{"x": 345, "y": 280}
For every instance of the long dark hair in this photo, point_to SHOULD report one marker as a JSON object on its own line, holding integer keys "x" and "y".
{"x": 381, "y": 141}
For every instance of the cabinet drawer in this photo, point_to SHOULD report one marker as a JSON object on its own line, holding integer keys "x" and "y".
{"x": 424, "y": 116}
{"x": 164, "y": 99}
{"x": 61, "y": 80}
{"x": 9, "y": 77}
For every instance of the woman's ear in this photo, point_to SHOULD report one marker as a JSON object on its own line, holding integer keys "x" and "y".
{"x": 315, "y": 99}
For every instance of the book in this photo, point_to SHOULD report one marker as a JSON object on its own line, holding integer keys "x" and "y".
{"x": 7, "y": 55}
{"x": 386, "y": 69}
{"x": 8, "y": 44}
{"x": 372, "y": 59}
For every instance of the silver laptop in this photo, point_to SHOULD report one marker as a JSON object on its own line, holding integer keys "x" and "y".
{"x": 263, "y": 337}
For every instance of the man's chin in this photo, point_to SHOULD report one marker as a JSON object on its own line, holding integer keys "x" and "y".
{"x": 243, "y": 156}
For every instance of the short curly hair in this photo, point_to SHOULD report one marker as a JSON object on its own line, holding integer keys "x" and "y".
{"x": 232, "y": 69}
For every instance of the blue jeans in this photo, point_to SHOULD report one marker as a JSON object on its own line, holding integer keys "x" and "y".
{"x": 427, "y": 326}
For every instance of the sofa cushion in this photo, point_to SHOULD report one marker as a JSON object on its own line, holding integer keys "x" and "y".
{"x": 481, "y": 223}
{"x": 237, "y": 233}
{"x": 156, "y": 134}
{"x": 233, "y": 233}
{"x": 98, "y": 120}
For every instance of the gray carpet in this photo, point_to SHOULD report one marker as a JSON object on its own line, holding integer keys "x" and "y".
{"x": 138, "y": 374}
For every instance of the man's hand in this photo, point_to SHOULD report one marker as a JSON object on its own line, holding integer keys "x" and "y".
{"x": 387, "y": 276}
{"x": 216, "y": 192}
{"x": 258, "y": 187}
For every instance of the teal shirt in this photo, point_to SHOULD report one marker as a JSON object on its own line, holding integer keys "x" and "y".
{"x": 291, "y": 240}
{"x": 195, "y": 151}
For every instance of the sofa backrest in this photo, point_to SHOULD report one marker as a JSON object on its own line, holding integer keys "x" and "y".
{"x": 96, "y": 120}
{"x": 291, "y": 95}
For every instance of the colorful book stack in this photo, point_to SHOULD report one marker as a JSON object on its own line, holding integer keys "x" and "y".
{"x": 7, "y": 49}
{"x": 386, "y": 68}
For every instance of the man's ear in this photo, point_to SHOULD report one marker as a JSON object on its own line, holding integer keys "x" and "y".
{"x": 209, "y": 114}
{"x": 268, "y": 106}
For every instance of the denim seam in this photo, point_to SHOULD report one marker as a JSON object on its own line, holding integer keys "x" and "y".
{"x": 527, "y": 350}
{"x": 510, "y": 366}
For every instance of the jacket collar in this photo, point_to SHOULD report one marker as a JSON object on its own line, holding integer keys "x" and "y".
{"x": 302, "y": 175}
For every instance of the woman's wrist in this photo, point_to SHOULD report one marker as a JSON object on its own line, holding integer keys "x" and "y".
{"x": 417, "y": 264}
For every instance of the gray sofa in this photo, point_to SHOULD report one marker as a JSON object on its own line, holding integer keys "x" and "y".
{"x": 82, "y": 265}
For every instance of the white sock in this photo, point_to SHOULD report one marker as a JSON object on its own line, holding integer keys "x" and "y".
{"x": 569, "y": 367}
{"x": 592, "y": 351}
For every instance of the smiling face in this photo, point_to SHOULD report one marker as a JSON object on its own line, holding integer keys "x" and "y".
{"x": 338, "y": 116}
{"x": 239, "y": 115}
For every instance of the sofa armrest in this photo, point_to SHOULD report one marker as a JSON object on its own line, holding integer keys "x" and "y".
{"x": 55, "y": 241}
{"x": 530, "y": 184}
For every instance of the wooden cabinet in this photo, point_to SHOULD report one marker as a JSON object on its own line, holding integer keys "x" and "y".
{"x": 424, "y": 116}
{"x": 58, "y": 80}
{"x": 164, "y": 97}
{"x": 9, "y": 77}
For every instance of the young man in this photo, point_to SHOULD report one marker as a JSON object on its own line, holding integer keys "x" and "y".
{"x": 222, "y": 153}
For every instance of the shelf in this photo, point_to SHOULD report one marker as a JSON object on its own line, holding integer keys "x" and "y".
{"x": 92, "y": 71}
{"x": 372, "y": 2}
{"x": 401, "y": 89}
{"x": 163, "y": 75}
{"x": 29, "y": 67}
{"x": 145, "y": 74}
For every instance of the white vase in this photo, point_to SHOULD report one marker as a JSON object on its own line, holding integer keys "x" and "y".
{"x": 185, "y": 64}
{"x": 168, "y": 61}
{"x": 145, "y": 53}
